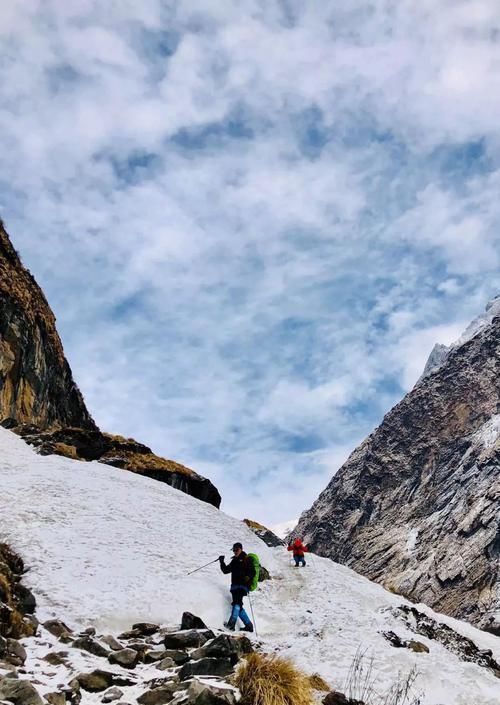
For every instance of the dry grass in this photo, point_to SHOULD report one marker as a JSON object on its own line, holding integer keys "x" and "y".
{"x": 360, "y": 684}
{"x": 318, "y": 683}
{"x": 270, "y": 680}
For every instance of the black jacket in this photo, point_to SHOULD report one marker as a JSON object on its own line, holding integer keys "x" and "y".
{"x": 241, "y": 568}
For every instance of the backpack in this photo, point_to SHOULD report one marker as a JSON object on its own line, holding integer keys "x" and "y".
{"x": 254, "y": 560}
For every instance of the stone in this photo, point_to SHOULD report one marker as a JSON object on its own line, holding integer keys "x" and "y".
{"x": 154, "y": 655}
{"x": 111, "y": 695}
{"x": 56, "y": 627}
{"x": 178, "y": 656}
{"x": 224, "y": 645}
{"x": 191, "y": 621}
{"x": 418, "y": 647}
{"x": 26, "y": 599}
{"x": 210, "y": 694}
{"x": 19, "y": 692}
{"x": 165, "y": 664}
{"x": 157, "y": 696}
{"x": 130, "y": 634}
{"x": 15, "y": 653}
{"x": 55, "y": 698}
{"x": 206, "y": 667}
{"x": 126, "y": 657}
{"x": 112, "y": 642}
{"x": 98, "y": 680}
{"x": 425, "y": 484}
{"x": 88, "y": 643}
{"x": 56, "y": 658}
{"x": 145, "y": 628}
{"x": 91, "y": 631}
{"x": 191, "y": 638}
{"x": 336, "y": 698}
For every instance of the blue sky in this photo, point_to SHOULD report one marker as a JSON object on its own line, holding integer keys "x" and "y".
{"x": 253, "y": 220}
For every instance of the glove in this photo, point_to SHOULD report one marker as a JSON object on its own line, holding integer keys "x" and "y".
{"x": 221, "y": 558}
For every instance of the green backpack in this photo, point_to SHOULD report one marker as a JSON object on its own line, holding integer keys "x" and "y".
{"x": 254, "y": 560}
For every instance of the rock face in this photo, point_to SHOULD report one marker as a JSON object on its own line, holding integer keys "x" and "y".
{"x": 39, "y": 399}
{"x": 36, "y": 384}
{"x": 416, "y": 507}
{"x": 269, "y": 538}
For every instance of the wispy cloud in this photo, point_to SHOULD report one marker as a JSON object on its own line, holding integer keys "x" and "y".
{"x": 252, "y": 221}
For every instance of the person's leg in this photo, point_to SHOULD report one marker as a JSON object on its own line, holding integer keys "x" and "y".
{"x": 303, "y": 560}
{"x": 296, "y": 559}
{"x": 236, "y": 606}
{"x": 248, "y": 626}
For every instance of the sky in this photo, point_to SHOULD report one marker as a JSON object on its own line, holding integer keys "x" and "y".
{"x": 253, "y": 219}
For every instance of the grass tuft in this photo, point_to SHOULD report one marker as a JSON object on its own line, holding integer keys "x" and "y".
{"x": 318, "y": 683}
{"x": 265, "y": 679}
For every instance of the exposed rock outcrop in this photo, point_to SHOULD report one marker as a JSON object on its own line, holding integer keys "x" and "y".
{"x": 16, "y": 601}
{"x": 416, "y": 507}
{"x": 39, "y": 399}
{"x": 269, "y": 538}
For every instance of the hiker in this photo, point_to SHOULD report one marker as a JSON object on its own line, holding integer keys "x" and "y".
{"x": 242, "y": 573}
{"x": 298, "y": 549}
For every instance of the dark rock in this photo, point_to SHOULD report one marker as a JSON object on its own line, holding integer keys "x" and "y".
{"x": 111, "y": 695}
{"x": 210, "y": 694}
{"x": 56, "y": 698}
{"x": 191, "y": 621}
{"x": 165, "y": 664}
{"x": 157, "y": 696}
{"x": 145, "y": 628}
{"x": 113, "y": 643}
{"x": 87, "y": 643}
{"x": 335, "y": 698}
{"x": 56, "y": 627}
{"x": 191, "y": 638}
{"x": 396, "y": 641}
{"x": 425, "y": 483}
{"x": 177, "y": 655}
{"x": 264, "y": 574}
{"x": 265, "y": 534}
{"x": 126, "y": 657}
{"x": 206, "y": 667}
{"x": 418, "y": 647}
{"x": 224, "y": 645}
{"x": 98, "y": 680}
{"x": 15, "y": 652}
{"x": 26, "y": 599}
{"x": 56, "y": 658}
{"x": 19, "y": 692}
{"x": 130, "y": 634}
{"x": 154, "y": 655}
{"x": 90, "y": 631}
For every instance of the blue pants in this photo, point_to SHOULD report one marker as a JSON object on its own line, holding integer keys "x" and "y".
{"x": 238, "y": 610}
{"x": 298, "y": 560}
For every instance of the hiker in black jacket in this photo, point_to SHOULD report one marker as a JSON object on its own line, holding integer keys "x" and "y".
{"x": 242, "y": 571}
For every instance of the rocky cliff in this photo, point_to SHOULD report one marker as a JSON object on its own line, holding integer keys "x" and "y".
{"x": 416, "y": 507}
{"x": 39, "y": 399}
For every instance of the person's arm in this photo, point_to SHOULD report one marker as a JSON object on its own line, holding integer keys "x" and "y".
{"x": 305, "y": 548}
{"x": 225, "y": 568}
{"x": 289, "y": 547}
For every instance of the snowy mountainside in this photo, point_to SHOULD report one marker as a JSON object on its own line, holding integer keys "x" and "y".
{"x": 284, "y": 528}
{"x": 110, "y": 548}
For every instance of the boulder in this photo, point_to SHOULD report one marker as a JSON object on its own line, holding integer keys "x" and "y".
{"x": 125, "y": 657}
{"x": 56, "y": 627}
{"x": 130, "y": 634}
{"x": 179, "y": 657}
{"x": 155, "y": 655}
{"x": 165, "y": 664}
{"x": 15, "y": 652}
{"x": 199, "y": 693}
{"x": 55, "y": 698}
{"x": 98, "y": 680}
{"x": 145, "y": 628}
{"x": 26, "y": 599}
{"x": 56, "y": 658}
{"x": 192, "y": 638}
{"x": 87, "y": 643}
{"x": 191, "y": 621}
{"x": 224, "y": 645}
{"x": 206, "y": 667}
{"x": 418, "y": 647}
{"x": 111, "y": 695}
{"x": 19, "y": 692}
{"x": 335, "y": 698}
{"x": 157, "y": 696}
{"x": 112, "y": 642}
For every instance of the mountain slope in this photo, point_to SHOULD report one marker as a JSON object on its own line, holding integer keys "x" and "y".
{"x": 109, "y": 548}
{"x": 416, "y": 506}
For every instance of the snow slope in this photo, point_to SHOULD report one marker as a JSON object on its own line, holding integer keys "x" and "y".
{"x": 107, "y": 547}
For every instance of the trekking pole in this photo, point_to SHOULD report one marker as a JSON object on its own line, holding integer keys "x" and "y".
{"x": 201, "y": 566}
{"x": 253, "y": 616}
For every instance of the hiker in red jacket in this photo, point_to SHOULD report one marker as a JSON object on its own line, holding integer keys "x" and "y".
{"x": 298, "y": 549}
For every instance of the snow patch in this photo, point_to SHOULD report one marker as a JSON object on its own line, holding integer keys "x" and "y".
{"x": 284, "y": 528}
{"x": 411, "y": 540}
{"x": 489, "y": 433}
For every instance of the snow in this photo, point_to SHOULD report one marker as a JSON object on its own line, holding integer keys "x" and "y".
{"x": 108, "y": 548}
{"x": 440, "y": 353}
{"x": 488, "y": 433}
{"x": 284, "y": 528}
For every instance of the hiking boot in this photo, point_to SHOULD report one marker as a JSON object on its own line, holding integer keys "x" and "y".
{"x": 247, "y": 628}
{"x": 230, "y": 624}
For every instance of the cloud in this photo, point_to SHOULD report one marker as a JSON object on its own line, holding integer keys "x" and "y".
{"x": 252, "y": 221}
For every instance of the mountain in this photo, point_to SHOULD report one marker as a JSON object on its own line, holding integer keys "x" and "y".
{"x": 39, "y": 399}
{"x": 416, "y": 505}
{"x": 105, "y": 549}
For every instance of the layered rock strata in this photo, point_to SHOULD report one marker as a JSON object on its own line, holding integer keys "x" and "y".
{"x": 416, "y": 506}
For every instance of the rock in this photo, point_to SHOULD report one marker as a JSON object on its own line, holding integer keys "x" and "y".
{"x": 126, "y": 657}
{"x": 157, "y": 696}
{"x": 165, "y": 664}
{"x": 336, "y": 698}
{"x": 56, "y": 627}
{"x": 224, "y": 645}
{"x": 112, "y": 642}
{"x": 111, "y": 695}
{"x": 19, "y": 692}
{"x": 191, "y": 638}
{"x": 15, "y": 653}
{"x": 269, "y": 537}
{"x": 145, "y": 628}
{"x": 3, "y": 646}
{"x": 211, "y": 694}
{"x": 418, "y": 647}
{"x": 178, "y": 656}
{"x": 26, "y": 599}
{"x": 73, "y": 692}
{"x": 206, "y": 667}
{"x": 98, "y": 680}
{"x": 55, "y": 698}
{"x": 191, "y": 621}
{"x": 87, "y": 643}
{"x": 415, "y": 507}
{"x": 130, "y": 634}
{"x": 90, "y": 631}
{"x": 56, "y": 658}
{"x": 154, "y": 655}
